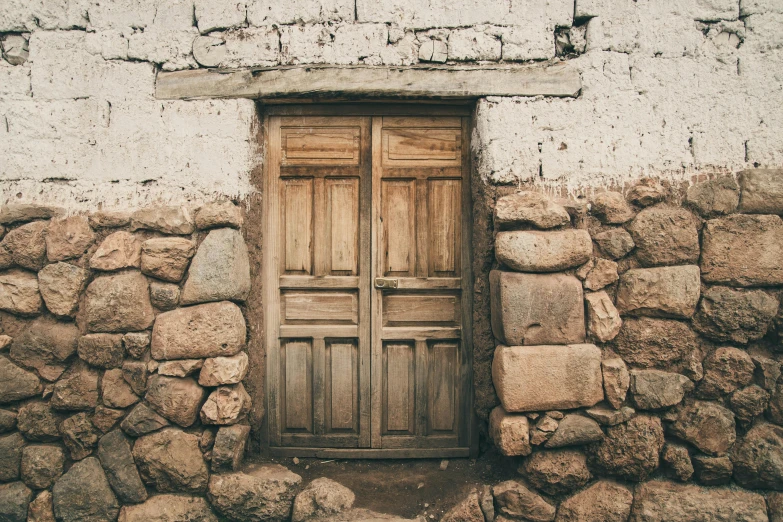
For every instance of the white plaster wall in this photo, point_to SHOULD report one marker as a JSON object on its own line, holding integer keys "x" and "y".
{"x": 670, "y": 88}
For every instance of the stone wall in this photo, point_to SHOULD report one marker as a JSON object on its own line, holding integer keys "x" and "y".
{"x": 639, "y": 339}
{"x": 668, "y": 89}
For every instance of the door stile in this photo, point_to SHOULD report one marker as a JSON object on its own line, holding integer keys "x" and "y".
{"x": 376, "y": 271}
{"x": 468, "y": 427}
{"x": 365, "y": 285}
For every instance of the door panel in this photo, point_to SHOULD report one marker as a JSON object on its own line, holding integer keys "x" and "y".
{"x": 355, "y": 203}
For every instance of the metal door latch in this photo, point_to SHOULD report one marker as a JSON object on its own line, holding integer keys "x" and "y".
{"x": 382, "y": 282}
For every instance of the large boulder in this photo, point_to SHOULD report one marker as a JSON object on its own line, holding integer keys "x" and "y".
{"x": 169, "y": 508}
{"x": 119, "y": 250}
{"x": 220, "y": 270}
{"x": 707, "y": 425}
{"x": 509, "y": 432}
{"x": 611, "y": 208}
{"x": 321, "y": 498}
{"x": 19, "y": 292}
{"x": 219, "y": 371}
{"x": 758, "y": 458}
{"x": 114, "y": 452}
{"x": 656, "y": 343}
{"x": 208, "y": 330}
{"x": 15, "y": 383}
{"x": 68, "y": 237}
{"x": 166, "y": 219}
{"x": 83, "y": 494}
{"x": 79, "y": 435}
{"x": 630, "y": 451}
{"x": 536, "y": 309}
{"x": 671, "y": 291}
{"x": 142, "y": 420}
{"x": 743, "y": 250}
{"x": 77, "y": 389}
{"x": 102, "y": 350}
{"x": 557, "y": 472}
{"x": 712, "y": 471}
{"x": 11, "y": 448}
{"x": 170, "y": 460}
{"x": 45, "y": 346}
{"x": 762, "y": 191}
{"x": 515, "y": 501}
{"x": 531, "y": 209}
{"x": 604, "y": 501}
{"x": 536, "y": 378}
{"x": 229, "y": 447}
{"x": 656, "y": 389}
{"x": 262, "y": 493}
{"x": 748, "y": 403}
{"x": 716, "y": 197}
{"x": 166, "y": 258}
{"x": 177, "y": 399}
{"x": 42, "y": 464}
{"x": 38, "y": 422}
{"x": 678, "y": 460}
{"x": 27, "y": 245}
{"x": 659, "y": 501}
{"x": 740, "y": 316}
{"x": 725, "y": 370}
{"x": 534, "y": 251}
{"x": 665, "y": 236}
{"x": 226, "y": 405}
{"x": 14, "y": 499}
{"x": 117, "y": 303}
{"x": 61, "y": 285}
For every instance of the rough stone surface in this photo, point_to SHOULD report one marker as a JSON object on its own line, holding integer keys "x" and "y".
{"x": 226, "y": 405}
{"x": 532, "y": 251}
{"x": 170, "y": 460}
{"x": 102, "y": 350}
{"x": 77, "y": 389}
{"x": 24, "y": 212}
{"x": 67, "y": 238}
{"x": 19, "y": 292}
{"x": 762, "y": 191}
{"x": 656, "y": 343}
{"x": 60, "y": 285}
{"x": 83, "y": 494}
{"x": 706, "y": 425}
{"x": 715, "y": 197}
{"x": 468, "y": 510}
{"x": 220, "y": 270}
{"x": 105, "y": 419}
{"x": 79, "y": 435}
{"x": 557, "y": 472}
{"x": 678, "y": 460}
{"x": 529, "y": 208}
{"x": 115, "y": 390}
{"x": 743, "y": 250}
{"x": 119, "y": 250}
{"x": 535, "y": 309}
{"x": 616, "y": 380}
{"x": 14, "y": 498}
{"x": 114, "y": 452}
{"x": 169, "y": 508}
{"x": 604, "y": 501}
{"x": 766, "y": 372}
{"x": 665, "y": 236}
{"x": 666, "y": 291}
{"x": 646, "y": 192}
{"x": 229, "y": 448}
{"x": 603, "y": 319}
{"x": 120, "y": 302}
{"x": 712, "y": 471}
{"x": 509, "y": 432}
{"x": 142, "y": 420}
{"x": 7, "y": 420}
{"x": 168, "y": 220}
{"x": 42, "y": 465}
{"x": 603, "y": 273}
{"x": 209, "y": 330}
{"x": 109, "y": 219}
{"x": 40, "y": 509}
{"x": 218, "y": 371}
{"x": 656, "y": 389}
{"x": 16, "y": 383}
{"x": 609, "y": 416}
{"x": 164, "y": 296}
{"x": 38, "y": 422}
{"x": 219, "y": 214}
{"x": 27, "y": 245}
{"x": 536, "y": 378}
{"x": 748, "y": 403}
{"x": 45, "y": 346}
{"x": 11, "y": 447}
{"x": 629, "y": 451}
{"x": 725, "y": 370}
{"x": 262, "y": 493}
{"x": 758, "y": 458}
{"x": 611, "y": 208}
{"x": 740, "y": 316}
{"x": 514, "y": 500}
{"x": 136, "y": 343}
{"x": 615, "y": 242}
{"x": 136, "y": 375}
{"x": 183, "y": 368}
{"x": 179, "y": 400}
{"x": 324, "y": 497}
{"x": 575, "y": 430}
{"x": 166, "y": 258}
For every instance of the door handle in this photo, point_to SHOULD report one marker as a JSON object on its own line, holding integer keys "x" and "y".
{"x": 385, "y": 283}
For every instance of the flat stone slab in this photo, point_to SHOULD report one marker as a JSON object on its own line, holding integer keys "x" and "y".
{"x": 538, "y": 378}
{"x": 537, "y": 251}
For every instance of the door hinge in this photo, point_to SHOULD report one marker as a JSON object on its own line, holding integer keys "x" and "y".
{"x": 384, "y": 283}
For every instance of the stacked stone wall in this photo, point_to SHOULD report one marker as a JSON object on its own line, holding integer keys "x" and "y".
{"x": 679, "y": 290}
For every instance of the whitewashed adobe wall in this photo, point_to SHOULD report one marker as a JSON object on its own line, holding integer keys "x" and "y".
{"x": 669, "y": 88}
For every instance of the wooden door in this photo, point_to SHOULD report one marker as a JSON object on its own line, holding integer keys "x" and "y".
{"x": 367, "y": 310}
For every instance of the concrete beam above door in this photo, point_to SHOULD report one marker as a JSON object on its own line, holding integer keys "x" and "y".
{"x": 558, "y": 80}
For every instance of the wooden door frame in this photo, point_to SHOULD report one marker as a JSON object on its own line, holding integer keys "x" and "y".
{"x": 269, "y": 265}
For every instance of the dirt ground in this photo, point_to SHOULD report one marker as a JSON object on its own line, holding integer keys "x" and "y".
{"x": 406, "y": 488}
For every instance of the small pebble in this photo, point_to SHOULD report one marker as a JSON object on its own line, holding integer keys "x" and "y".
{"x": 421, "y": 485}
{"x": 307, "y": 467}
{"x": 444, "y": 464}
{"x": 296, "y": 460}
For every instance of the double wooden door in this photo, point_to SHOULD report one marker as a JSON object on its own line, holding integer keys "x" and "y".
{"x": 367, "y": 286}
